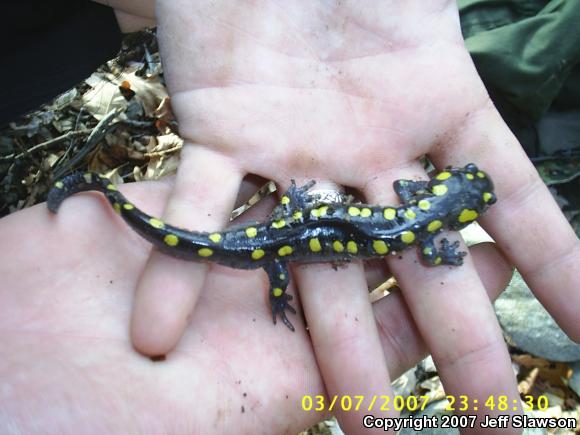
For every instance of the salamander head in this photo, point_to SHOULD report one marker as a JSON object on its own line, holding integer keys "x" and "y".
{"x": 469, "y": 193}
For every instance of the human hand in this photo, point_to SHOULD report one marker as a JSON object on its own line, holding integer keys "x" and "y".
{"x": 67, "y": 363}
{"x": 352, "y": 95}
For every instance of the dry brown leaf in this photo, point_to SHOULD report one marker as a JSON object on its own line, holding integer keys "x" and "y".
{"x": 103, "y": 96}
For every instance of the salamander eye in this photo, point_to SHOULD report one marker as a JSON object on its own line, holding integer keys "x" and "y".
{"x": 471, "y": 168}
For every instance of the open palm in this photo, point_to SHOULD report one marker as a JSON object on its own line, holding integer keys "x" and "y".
{"x": 67, "y": 360}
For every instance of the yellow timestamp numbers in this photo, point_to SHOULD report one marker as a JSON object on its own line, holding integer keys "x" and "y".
{"x": 497, "y": 403}
{"x": 384, "y": 403}
{"x": 320, "y": 403}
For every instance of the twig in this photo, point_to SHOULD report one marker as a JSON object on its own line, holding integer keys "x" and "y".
{"x": 96, "y": 135}
{"x": 163, "y": 152}
{"x": 45, "y": 144}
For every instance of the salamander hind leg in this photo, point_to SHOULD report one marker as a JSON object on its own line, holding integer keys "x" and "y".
{"x": 447, "y": 253}
{"x": 279, "y": 299}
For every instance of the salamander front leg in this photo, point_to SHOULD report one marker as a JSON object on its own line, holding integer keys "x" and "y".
{"x": 446, "y": 254}
{"x": 278, "y": 275}
{"x": 295, "y": 198}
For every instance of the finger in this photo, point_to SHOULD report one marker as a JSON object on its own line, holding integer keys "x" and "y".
{"x": 202, "y": 199}
{"x": 376, "y": 272}
{"x": 526, "y": 221}
{"x": 455, "y": 318}
{"x": 400, "y": 337}
{"x": 344, "y": 335}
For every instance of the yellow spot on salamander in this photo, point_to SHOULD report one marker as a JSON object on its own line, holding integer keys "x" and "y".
{"x": 427, "y": 251}
{"x": 156, "y": 223}
{"x": 353, "y": 211}
{"x": 277, "y": 292}
{"x": 424, "y": 205}
{"x": 215, "y": 237}
{"x": 279, "y": 224}
{"x": 320, "y": 211}
{"x": 408, "y": 237}
{"x": 437, "y": 261}
{"x": 171, "y": 240}
{"x": 467, "y": 216}
{"x": 282, "y": 276}
{"x": 434, "y": 226}
{"x": 390, "y": 213}
{"x": 88, "y": 177}
{"x": 366, "y": 212}
{"x": 480, "y": 174}
{"x": 487, "y": 196}
{"x": 128, "y": 206}
{"x": 285, "y": 200}
{"x": 257, "y": 254}
{"x": 117, "y": 207}
{"x": 251, "y": 232}
{"x": 351, "y": 247}
{"x": 59, "y": 184}
{"x": 315, "y": 245}
{"x": 338, "y": 246}
{"x": 443, "y": 176}
{"x": 297, "y": 215}
{"x": 111, "y": 186}
{"x": 205, "y": 252}
{"x": 469, "y": 176}
{"x": 285, "y": 250}
{"x": 380, "y": 247}
{"x": 439, "y": 189}
{"x": 410, "y": 214}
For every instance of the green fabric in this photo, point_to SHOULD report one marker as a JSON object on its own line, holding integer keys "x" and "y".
{"x": 527, "y": 50}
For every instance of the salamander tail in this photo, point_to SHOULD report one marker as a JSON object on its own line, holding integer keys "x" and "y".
{"x": 74, "y": 183}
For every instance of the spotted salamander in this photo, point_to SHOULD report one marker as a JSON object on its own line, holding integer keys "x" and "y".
{"x": 302, "y": 228}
